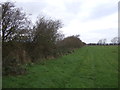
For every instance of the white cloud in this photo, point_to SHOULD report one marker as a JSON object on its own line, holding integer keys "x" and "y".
{"x": 94, "y": 29}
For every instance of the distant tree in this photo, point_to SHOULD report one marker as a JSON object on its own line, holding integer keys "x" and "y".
{"x": 13, "y": 20}
{"x": 115, "y": 40}
{"x": 102, "y": 41}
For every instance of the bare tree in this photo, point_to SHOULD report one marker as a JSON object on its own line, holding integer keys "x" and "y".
{"x": 115, "y": 40}
{"x": 102, "y": 41}
{"x": 13, "y": 20}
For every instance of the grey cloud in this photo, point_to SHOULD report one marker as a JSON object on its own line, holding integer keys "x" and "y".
{"x": 32, "y": 7}
{"x": 73, "y": 7}
{"x": 103, "y": 10}
{"x": 36, "y": 8}
{"x": 107, "y": 32}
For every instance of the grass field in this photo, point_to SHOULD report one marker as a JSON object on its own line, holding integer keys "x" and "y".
{"x": 87, "y": 67}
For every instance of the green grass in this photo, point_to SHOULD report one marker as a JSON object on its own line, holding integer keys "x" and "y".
{"x": 87, "y": 67}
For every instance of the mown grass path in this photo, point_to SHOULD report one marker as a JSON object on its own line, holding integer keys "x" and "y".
{"x": 87, "y": 67}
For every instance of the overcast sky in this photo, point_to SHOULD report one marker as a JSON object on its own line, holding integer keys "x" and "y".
{"x": 91, "y": 19}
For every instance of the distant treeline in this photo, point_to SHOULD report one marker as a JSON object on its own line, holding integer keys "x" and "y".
{"x": 106, "y": 44}
{"x": 24, "y": 43}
